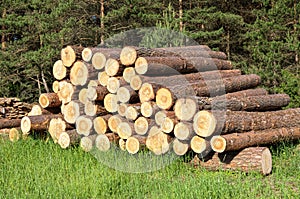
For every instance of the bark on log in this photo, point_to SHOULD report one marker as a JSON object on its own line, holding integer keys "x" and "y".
{"x": 68, "y": 138}
{"x": 135, "y": 143}
{"x": 37, "y": 123}
{"x": 49, "y": 100}
{"x": 38, "y": 110}
{"x": 237, "y": 141}
{"x": 180, "y": 147}
{"x": 9, "y": 123}
{"x": 70, "y": 54}
{"x": 247, "y": 160}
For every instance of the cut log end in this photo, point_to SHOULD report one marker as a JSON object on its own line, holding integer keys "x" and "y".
{"x": 112, "y": 67}
{"x": 185, "y": 109}
{"x": 113, "y": 85}
{"x": 103, "y": 78}
{"x": 79, "y": 74}
{"x": 141, "y": 65}
{"x": 218, "y": 144}
{"x": 164, "y": 98}
{"x": 167, "y": 125}
{"x": 113, "y": 123}
{"x": 59, "y": 70}
{"x": 84, "y": 125}
{"x": 128, "y": 56}
{"x": 141, "y": 126}
{"x": 55, "y": 86}
{"x": 122, "y": 144}
{"x": 160, "y": 117}
{"x": 56, "y": 127}
{"x": 157, "y": 141}
{"x": 122, "y": 109}
{"x": 131, "y": 113}
{"x": 25, "y": 125}
{"x": 102, "y": 143}
{"x": 71, "y": 111}
{"x": 98, "y": 60}
{"x": 64, "y": 140}
{"x": 182, "y": 131}
{"x": 146, "y": 109}
{"x": 204, "y": 123}
{"x": 132, "y": 145}
{"x": 266, "y": 161}
{"x": 86, "y": 54}
{"x": 68, "y": 56}
{"x": 128, "y": 73}
{"x": 14, "y": 134}
{"x": 87, "y": 143}
{"x": 83, "y": 95}
{"x": 65, "y": 92}
{"x": 111, "y": 103}
{"x": 49, "y": 100}
{"x": 100, "y": 125}
{"x": 124, "y": 130}
{"x": 198, "y": 144}
{"x": 136, "y": 82}
{"x": 146, "y": 92}
{"x": 180, "y": 148}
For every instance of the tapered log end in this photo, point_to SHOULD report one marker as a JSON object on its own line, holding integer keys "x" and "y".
{"x": 128, "y": 56}
{"x": 25, "y": 125}
{"x": 141, "y": 65}
{"x": 14, "y": 134}
{"x": 266, "y": 161}
{"x": 68, "y": 56}
{"x": 59, "y": 70}
{"x": 198, "y": 144}
{"x": 164, "y": 98}
{"x": 100, "y": 125}
{"x": 185, "y": 109}
{"x": 146, "y": 92}
{"x": 128, "y": 73}
{"x": 124, "y": 130}
{"x": 102, "y": 143}
{"x": 141, "y": 126}
{"x": 132, "y": 145}
{"x": 86, "y": 54}
{"x": 79, "y": 74}
{"x": 218, "y": 144}
{"x": 64, "y": 140}
{"x": 111, "y": 103}
{"x": 98, "y": 60}
{"x": 103, "y": 78}
{"x": 204, "y": 123}
{"x": 180, "y": 148}
{"x": 136, "y": 82}
{"x": 112, "y": 67}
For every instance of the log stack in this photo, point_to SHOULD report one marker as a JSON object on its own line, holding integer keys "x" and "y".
{"x": 176, "y": 99}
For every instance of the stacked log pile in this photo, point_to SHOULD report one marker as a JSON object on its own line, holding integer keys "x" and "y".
{"x": 176, "y": 99}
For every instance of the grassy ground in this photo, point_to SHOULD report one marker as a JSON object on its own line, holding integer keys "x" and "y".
{"x": 36, "y": 168}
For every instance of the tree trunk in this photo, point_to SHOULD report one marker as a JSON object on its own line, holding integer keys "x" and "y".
{"x": 247, "y": 160}
{"x": 149, "y": 108}
{"x": 113, "y": 122}
{"x": 58, "y": 126}
{"x": 233, "y": 142}
{"x": 49, "y": 100}
{"x": 84, "y": 125}
{"x": 68, "y": 138}
{"x": 142, "y": 125}
{"x": 70, "y": 54}
{"x": 55, "y": 86}
{"x": 157, "y": 141}
{"x": 3, "y": 39}
{"x": 135, "y": 143}
{"x": 180, "y": 147}
{"x": 200, "y": 146}
{"x": 102, "y": 142}
{"x": 38, "y": 110}
{"x": 183, "y": 131}
{"x": 114, "y": 83}
{"x": 37, "y": 123}
{"x": 9, "y": 123}
{"x": 59, "y": 70}
{"x": 87, "y": 143}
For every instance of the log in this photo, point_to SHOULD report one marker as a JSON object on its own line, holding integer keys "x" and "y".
{"x": 59, "y": 70}
{"x": 103, "y": 78}
{"x": 126, "y": 94}
{"x": 66, "y": 91}
{"x": 147, "y": 91}
{"x": 113, "y": 67}
{"x": 175, "y": 65}
{"x": 125, "y": 130}
{"x": 133, "y": 112}
{"x": 122, "y": 144}
{"x": 55, "y": 86}
{"x": 246, "y": 93}
{"x": 100, "y": 124}
{"x": 135, "y": 143}
{"x": 251, "y": 103}
{"x": 180, "y": 147}
{"x": 14, "y": 134}
{"x": 9, "y": 123}
{"x": 237, "y": 141}
{"x": 183, "y": 131}
{"x": 165, "y": 99}
{"x": 215, "y": 123}
{"x": 114, "y": 83}
{"x": 97, "y": 93}
{"x": 83, "y": 95}
{"x": 113, "y": 122}
{"x": 94, "y": 109}
{"x": 185, "y": 109}
{"x": 92, "y": 83}
{"x": 72, "y": 111}
{"x": 250, "y": 159}
{"x": 68, "y": 138}
{"x": 168, "y": 124}
{"x": 36, "y": 123}
{"x": 160, "y": 116}
{"x": 49, "y": 100}
{"x": 87, "y": 143}
{"x": 111, "y": 103}
{"x": 102, "y": 142}
{"x": 136, "y": 82}
{"x": 87, "y": 54}
{"x": 38, "y": 110}
{"x": 142, "y": 124}
{"x": 200, "y": 146}
{"x": 56, "y": 127}
{"x": 84, "y": 125}
{"x": 122, "y": 109}
{"x": 149, "y": 108}
{"x": 82, "y": 72}
{"x": 157, "y": 141}
{"x": 128, "y": 73}
{"x": 98, "y": 60}
{"x": 69, "y": 54}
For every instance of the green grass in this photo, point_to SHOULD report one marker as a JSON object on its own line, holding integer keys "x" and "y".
{"x": 40, "y": 169}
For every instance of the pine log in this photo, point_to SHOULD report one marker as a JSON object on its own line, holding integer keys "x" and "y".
{"x": 69, "y": 54}
{"x": 246, "y": 93}
{"x": 185, "y": 109}
{"x": 180, "y": 147}
{"x": 126, "y": 94}
{"x": 182, "y": 49}
{"x": 72, "y": 111}
{"x": 38, "y": 110}
{"x": 103, "y": 78}
{"x": 59, "y": 70}
{"x": 87, "y": 54}
{"x": 97, "y": 93}
{"x": 66, "y": 91}
{"x": 111, "y": 103}
{"x": 114, "y": 83}
{"x": 149, "y": 108}
{"x": 98, "y": 60}
{"x": 113, "y": 122}
{"x": 128, "y": 73}
{"x": 84, "y": 125}
{"x": 168, "y": 124}
{"x": 135, "y": 143}
{"x": 102, "y": 142}
{"x": 133, "y": 112}
{"x": 122, "y": 109}
{"x": 247, "y": 160}
{"x": 200, "y": 146}
{"x": 68, "y": 138}
{"x": 136, "y": 82}
{"x": 14, "y": 134}
{"x": 100, "y": 124}
{"x": 49, "y": 100}
{"x": 87, "y": 143}
{"x": 94, "y": 109}
{"x": 142, "y": 125}
{"x": 157, "y": 141}
{"x": 125, "y": 130}
{"x": 56, "y": 127}
{"x": 165, "y": 99}
{"x": 147, "y": 91}
{"x": 183, "y": 130}
{"x": 160, "y": 116}
{"x": 37, "y": 123}
{"x": 82, "y": 72}
{"x": 9, "y": 123}
{"x": 55, "y": 86}
{"x": 113, "y": 67}
{"x": 237, "y": 141}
